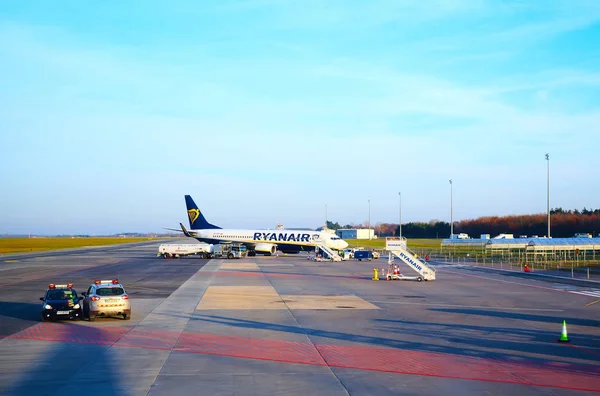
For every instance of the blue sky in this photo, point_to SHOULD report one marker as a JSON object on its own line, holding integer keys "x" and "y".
{"x": 268, "y": 110}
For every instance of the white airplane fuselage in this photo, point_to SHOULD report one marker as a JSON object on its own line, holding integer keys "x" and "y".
{"x": 261, "y": 241}
{"x": 265, "y": 240}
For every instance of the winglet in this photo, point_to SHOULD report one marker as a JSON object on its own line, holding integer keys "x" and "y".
{"x": 186, "y": 232}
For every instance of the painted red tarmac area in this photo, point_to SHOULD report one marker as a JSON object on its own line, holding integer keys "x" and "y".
{"x": 359, "y": 357}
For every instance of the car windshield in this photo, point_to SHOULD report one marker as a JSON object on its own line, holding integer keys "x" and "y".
{"x": 110, "y": 291}
{"x": 61, "y": 295}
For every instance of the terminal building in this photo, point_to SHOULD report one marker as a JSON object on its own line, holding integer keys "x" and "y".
{"x": 361, "y": 233}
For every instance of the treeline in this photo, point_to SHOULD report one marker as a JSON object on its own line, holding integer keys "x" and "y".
{"x": 563, "y": 223}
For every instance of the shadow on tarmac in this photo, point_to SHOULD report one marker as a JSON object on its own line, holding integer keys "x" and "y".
{"x": 512, "y": 342}
{"x": 520, "y": 316}
{"x": 17, "y": 316}
{"x": 64, "y": 368}
{"x": 458, "y": 340}
{"x": 538, "y": 275}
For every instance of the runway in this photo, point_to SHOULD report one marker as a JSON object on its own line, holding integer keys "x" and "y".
{"x": 286, "y": 325}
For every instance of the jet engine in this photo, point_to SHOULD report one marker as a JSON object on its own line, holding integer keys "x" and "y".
{"x": 265, "y": 248}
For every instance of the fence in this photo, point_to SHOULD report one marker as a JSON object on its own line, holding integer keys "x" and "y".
{"x": 580, "y": 266}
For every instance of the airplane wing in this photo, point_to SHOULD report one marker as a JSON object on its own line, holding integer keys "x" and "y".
{"x": 183, "y": 230}
{"x": 172, "y": 229}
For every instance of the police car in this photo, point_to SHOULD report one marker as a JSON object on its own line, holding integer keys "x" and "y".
{"x": 60, "y": 302}
{"x": 106, "y": 298}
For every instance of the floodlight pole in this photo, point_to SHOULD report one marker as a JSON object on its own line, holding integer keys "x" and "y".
{"x": 451, "y": 220}
{"x": 548, "y": 192}
{"x": 325, "y": 215}
{"x": 369, "y": 224}
{"x": 400, "y": 219}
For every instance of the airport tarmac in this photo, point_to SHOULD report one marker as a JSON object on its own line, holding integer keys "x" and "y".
{"x": 287, "y": 325}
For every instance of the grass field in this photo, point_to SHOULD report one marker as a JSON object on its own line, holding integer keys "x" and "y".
{"x": 380, "y": 243}
{"x": 22, "y": 245}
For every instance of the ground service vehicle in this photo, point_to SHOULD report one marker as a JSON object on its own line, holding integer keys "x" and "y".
{"x": 229, "y": 250}
{"x": 347, "y": 254}
{"x": 60, "y": 302}
{"x": 363, "y": 255}
{"x": 106, "y": 298}
{"x": 177, "y": 250}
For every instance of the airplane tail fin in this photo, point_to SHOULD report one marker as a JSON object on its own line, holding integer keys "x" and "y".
{"x": 197, "y": 220}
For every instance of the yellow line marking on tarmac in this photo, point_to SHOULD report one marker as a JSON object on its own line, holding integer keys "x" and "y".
{"x": 468, "y": 306}
{"x": 593, "y": 302}
{"x": 11, "y": 261}
{"x": 143, "y": 288}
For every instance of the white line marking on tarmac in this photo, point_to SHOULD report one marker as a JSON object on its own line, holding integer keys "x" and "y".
{"x": 503, "y": 281}
{"x": 591, "y": 293}
{"x": 467, "y": 306}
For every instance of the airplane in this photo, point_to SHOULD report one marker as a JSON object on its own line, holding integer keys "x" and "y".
{"x": 265, "y": 242}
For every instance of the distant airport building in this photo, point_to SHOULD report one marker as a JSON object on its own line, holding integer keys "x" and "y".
{"x": 361, "y": 233}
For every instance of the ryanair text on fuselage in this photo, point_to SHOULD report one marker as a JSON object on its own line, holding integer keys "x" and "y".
{"x": 280, "y": 237}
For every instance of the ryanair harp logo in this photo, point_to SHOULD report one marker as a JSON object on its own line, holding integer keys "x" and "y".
{"x": 193, "y": 214}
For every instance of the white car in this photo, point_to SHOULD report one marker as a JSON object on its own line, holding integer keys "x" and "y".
{"x": 106, "y": 298}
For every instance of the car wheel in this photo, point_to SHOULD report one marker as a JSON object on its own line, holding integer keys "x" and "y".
{"x": 42, "y": 317}
{"x": 126, "y": 317}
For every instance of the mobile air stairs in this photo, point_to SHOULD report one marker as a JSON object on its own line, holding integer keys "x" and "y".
{"x": 327, "y": 251}
{"x": 397, "y": 247}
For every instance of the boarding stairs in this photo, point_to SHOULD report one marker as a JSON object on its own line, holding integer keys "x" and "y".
{"x": 329, "y": 252}
{"x": 397, "y": 247}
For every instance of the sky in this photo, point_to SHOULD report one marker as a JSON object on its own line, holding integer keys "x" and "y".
{"x": 270, "y": 111}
